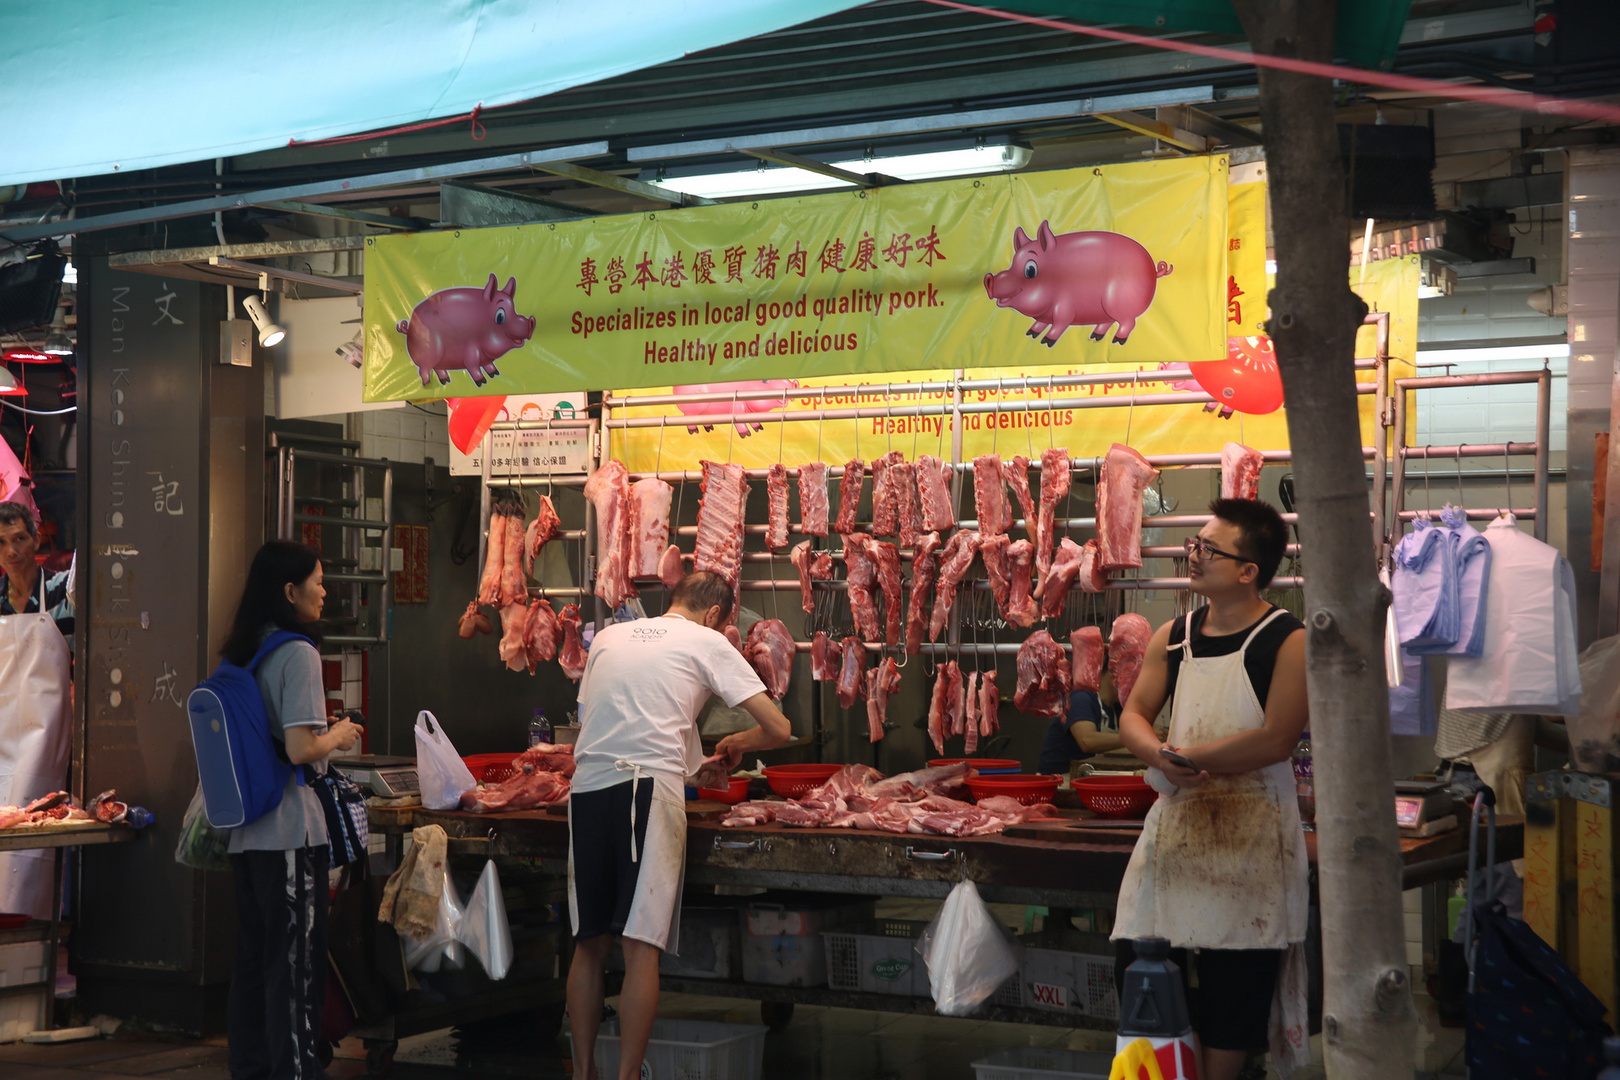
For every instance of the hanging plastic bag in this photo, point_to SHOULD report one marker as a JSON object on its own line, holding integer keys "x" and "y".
{"x": 440, "y": 949}
{"x": 439, "y": 769}
{"x": 967, "y": 953}
{"x": 201, "y": 846}
{"x": 484, "y": 928}
{"x": 1594, "y": 729}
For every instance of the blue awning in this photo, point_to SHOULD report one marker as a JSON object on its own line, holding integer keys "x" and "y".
{"x": 99, "y": 86}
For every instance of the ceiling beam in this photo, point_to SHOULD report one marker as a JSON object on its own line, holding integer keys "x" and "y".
{"x": 597, "y": 178}
{"x": 130, "y": 260}
{"x": 473, "y": 206}
{"x": 263, "y": 273}
{"x": 385, "y": 221}
{"x": 299, "y": 192}
{"x": 1200, "y": 122}
{"x": 794, "y": 161}
{"x": 1156, "y": 129}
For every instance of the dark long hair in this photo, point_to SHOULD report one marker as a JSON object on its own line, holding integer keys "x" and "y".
{"x": 264, "y": 598}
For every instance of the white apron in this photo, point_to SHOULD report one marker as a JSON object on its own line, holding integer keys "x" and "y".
{"x": 655, "y": 909}
{"x": 35, "y": 729}
{"x": 1224, "y": 865}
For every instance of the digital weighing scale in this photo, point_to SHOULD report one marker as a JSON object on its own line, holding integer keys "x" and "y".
{"x": 387, "y": 777}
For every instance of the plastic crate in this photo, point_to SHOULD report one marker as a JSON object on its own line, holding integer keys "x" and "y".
{"x": 781, "y": 936}
{"x": 709, "y": 945}
{"x": 1041, "y": 1063}
{"x": 689, "y": 1050}
{"x": 881, "y": 957}
{"x": 1069, "y": 973}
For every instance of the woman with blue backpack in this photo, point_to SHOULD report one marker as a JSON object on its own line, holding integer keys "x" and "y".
{"x": 280, "y": 859}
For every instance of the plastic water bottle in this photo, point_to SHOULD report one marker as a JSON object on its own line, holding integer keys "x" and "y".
{"x": 539, "y": 728}
{"x": 139, "y": 817}
{"x": 1305, "y": 779}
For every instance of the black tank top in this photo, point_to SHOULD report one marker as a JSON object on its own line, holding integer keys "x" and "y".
{"x": 1259, "y": 662}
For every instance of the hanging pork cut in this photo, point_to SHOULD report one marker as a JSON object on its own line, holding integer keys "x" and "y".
{"x": 954, "y": 560}
{"x": 1091, "y": 576}
{"x": 886, "y": 494}
{"x": 649, "y": 525}
{"x": 542, "y": 634}
{"x": 939, "y": 708}
{"x": 1043, "y": 677}
{"x": 990, "y": 495}
{"x": 849, "y": 495}
{"x": 514, "y": 585}
{"x": 545, "y": 527}
{"x": 851, "y": 671}
{"x": 514, "y": 621}
{"x": 572, "y": 654}
{"x": 608, "y": 489}
{"x": 800, "y": 558}
{"x": 1127, "y": 648}
{"x": 733, "y": 635}
{"x": 860, "y": 564}
{"x": 934, "y": 493}
{"x": 720, "y": 523}
{"x": 489, "y": 584}
{"x": 769, "y": 651}
{"x": 1017, "y": 476}
{"x": 1055, "y": 480}
{"x": 1086, "y": 658}
{"x": 971, "y": 725}
{"x": 904, "y": 477}
{"x": 825, "y": 656}
{"x": 473, "y": 621}
{"x": 989, "y": 705}
{"x": 1021, "y": 607}
{"x": 670, "y": 567}
{"x": 1060, "y": 578}
{"x": 956, "y": 700}
{"x": 993, "y": 550}
{"x": 881, "y": 681}
{"x": 886, "y": 557}
{"x": 1240, "y": 471}
{"x": 1125, "y": 477}
{"x": 813, "y": 504}
{"x": 776, "y": 509}
{"x": 924, "y": 569}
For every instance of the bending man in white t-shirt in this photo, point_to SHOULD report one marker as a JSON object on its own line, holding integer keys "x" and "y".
{"x": 644, "y": 684}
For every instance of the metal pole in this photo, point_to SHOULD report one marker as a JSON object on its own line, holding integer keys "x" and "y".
{"x": 1543, "y": 447}
{"x": 1397, "y": 496}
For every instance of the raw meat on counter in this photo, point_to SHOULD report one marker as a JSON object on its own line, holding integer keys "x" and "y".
{"x": 886, "y": 557}
{"x": 971, "y": 729}
{"x": 851, "y": 671}
{"x": 670, "y": 567}
{"x": 800, "y": 558}
{"x": 1043, "y": 677}
{"x": 1127, "y": 648}
{"x": 1125, "y": 476}
{"x": 860, "y": 563}
{"x": 885, "y": 495}
{"x": 881, "y": 681}
{"x": 770, "y": 652}
{"x": 813, "y": 506}
{"x": 720, "y": 523}
{"x": 59, "y": 807}
{"x": 923, "y": 802}
{"x": 825, "y": 656}
{"x": 849, "y": 495}
{"x": 954, "y": 560}
{"x": 1091, "y": 576}
{"x": 608, "y": 489}
{"x": 924, "y": 569}
{"x": 1240, "y": 471}
{"x": 572, "y": 654}
{"x": 990, "y": 495}
{"x": 934, "y": 493}
{"x": 1060, "y": 577}
{"x": 541, "y": 635}
{"x": 540, "y": 776}
{"x": 545, "y": 527}
{"x": 473, "y": 621}
{"x": 989, "y": 705}
{"x": 1086, "y": 659}
{"x": 776, "y": 498}
{"x": 1021, "y": 608}
{"x": 649, "y": 525}
{"x": 1054, "y": 487}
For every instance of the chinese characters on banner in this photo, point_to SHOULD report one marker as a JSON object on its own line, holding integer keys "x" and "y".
{"x": 1122, "y": 264}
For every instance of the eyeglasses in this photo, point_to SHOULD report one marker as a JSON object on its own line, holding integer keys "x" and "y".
{"x": 1206, "y": 550}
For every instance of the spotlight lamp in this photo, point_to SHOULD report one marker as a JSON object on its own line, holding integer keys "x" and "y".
{"x": 270, "y": 334}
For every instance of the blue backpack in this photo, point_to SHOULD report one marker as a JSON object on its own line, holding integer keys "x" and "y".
{"x": 243, "y": 775}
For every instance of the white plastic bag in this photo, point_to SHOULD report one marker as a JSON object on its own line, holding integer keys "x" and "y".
{"x": 1594, "y": 729}
{"x": 484, "y": 928}
{"x": 439, "y": 769}
{"x": 967, "y": 953}
{"x": 440, "y": 948}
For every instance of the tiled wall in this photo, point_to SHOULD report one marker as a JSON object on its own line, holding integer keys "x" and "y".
{"x": 406, "y": 434}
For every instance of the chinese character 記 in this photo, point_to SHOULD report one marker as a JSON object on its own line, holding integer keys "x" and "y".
{"x": 166, "y": 497}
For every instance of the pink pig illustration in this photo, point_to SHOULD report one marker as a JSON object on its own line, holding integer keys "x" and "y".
{"x": 465, "y": 329}
{"x": 1101, "y": 278}
{"x": 722, "y": 408}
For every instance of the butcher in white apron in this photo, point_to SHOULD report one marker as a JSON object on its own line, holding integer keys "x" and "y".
{"x": 35, "y": 703}
{"x": 1221, "y": 867}
{"x": 644, "y": 684}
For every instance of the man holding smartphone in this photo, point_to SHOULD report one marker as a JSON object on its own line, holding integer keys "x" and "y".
{"x": 1220, "y": 869}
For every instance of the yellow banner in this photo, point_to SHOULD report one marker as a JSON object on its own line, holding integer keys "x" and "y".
{"x": 1027, "y": 421}
{"x": 1119, "y": 264}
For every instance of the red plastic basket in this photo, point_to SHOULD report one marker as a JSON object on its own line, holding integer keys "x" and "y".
{"x": 791, "y": 781}
{"x": 1027, "y": 788}
{"x": 735, "y": 793}
{"x": 489, "y": 768}
{"x": 1114, "y": 796}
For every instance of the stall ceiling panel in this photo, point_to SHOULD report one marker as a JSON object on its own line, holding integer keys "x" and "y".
{"x": 115, "y": 87}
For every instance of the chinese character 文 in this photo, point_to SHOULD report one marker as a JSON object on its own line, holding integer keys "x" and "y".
{"x": 765, "y": 262}
{"x": 163, "y": 303}
{"x": 899, "y": 246}
{"x": 928, "y": 247}
{"x": 796, "y": 260}
{"x": 166, "y": 497}
{"x": 674, "y": 271}
{"x": 865, "y": 253}
{"x": 615, "y": 273}
{"x": 587, "y": 275}
{"x": 734, "y": 257}
{"x": 832, "y": 255}
{"x": 703, "y": 267}
{"x": 644, "y": 272}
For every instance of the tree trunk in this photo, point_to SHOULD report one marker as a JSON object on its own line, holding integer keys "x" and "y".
{"x": 1368, "y": 1021}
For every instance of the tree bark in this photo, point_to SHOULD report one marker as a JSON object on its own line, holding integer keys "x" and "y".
{"x": 1368, "y": 1022}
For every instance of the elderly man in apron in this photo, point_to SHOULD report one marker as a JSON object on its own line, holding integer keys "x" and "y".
{"x": 36, "y": 621}
{"x": 1220, "y": 869}
{"x": 644, "y": 684}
